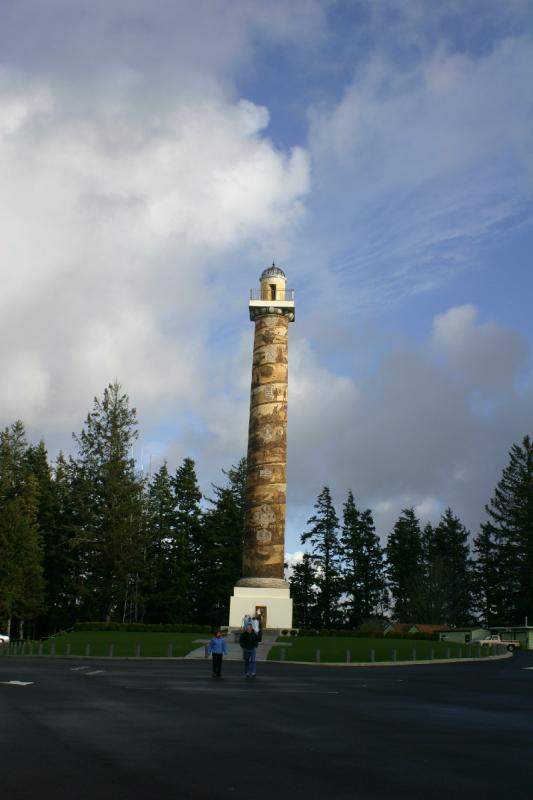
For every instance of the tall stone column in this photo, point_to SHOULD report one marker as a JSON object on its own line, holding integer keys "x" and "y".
{"x": 264, "y": 543}
{"x": 262, "y": 585}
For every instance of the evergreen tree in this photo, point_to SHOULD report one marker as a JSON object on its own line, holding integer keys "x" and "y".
{"x": 505, "y": 545}
{"x": 488, "y": 598}
{"x": 160, "y": 531}
{"x": 363, "y": 569}
{"x": 304, "y": 592}
{"x": 29, "y": 602}
{"x": 21, "y": 571}
{"x": 404, "y": 563}
{"x": 428, "y": 588}
{"x": 351, "y": 550}
{"x": 326, "y": 557}
{"x": 109, "y": 536}
{"x": 13, "y": 464}
{"x": 53, "y": 519}
{"x": 451, "y": 553}
{"x": 221, "y": 541}
{"x": 174, "y": 530}
{"x": 442, "y": 590}
{"x": 236, "y": 484}
{"x": 187, "y": 545}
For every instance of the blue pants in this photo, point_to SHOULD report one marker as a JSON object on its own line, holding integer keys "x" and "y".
{"x": 249, "y": 661}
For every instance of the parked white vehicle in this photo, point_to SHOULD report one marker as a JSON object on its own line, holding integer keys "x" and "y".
{"x": 4, "y": 638}
{"x": 495, "y": 639}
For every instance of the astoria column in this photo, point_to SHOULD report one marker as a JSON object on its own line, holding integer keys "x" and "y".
{"x": 262, "y": 588}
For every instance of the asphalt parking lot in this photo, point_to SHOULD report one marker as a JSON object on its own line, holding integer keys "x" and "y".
{"x": 156, "y": 729}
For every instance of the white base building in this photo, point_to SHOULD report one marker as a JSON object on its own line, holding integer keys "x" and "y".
{"x": 274, "y": 605}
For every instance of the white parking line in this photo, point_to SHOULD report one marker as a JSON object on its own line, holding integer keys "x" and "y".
{"x": 75, "y": 669}
{"x": 209, "y": 689}
{"x": 17, "y": 683}
{"x": 95, "y": 672}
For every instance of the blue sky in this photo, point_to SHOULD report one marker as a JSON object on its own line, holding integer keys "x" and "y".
{"x": 156, "y": 157}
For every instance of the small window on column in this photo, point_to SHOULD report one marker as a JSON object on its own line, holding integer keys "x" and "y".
{"x": 272, "y": 291}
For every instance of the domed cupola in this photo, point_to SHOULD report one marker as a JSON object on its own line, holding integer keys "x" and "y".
{"x": 273, "y": 297}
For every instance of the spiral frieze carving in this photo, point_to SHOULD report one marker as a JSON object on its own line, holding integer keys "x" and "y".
{"x": 264, "y": 545}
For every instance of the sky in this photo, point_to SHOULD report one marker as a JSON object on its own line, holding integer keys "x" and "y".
{"x": 156, "y": 157}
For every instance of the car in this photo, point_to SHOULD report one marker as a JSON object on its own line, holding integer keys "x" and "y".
{"x": 495, "y": 639}
{"x": 4, "y": 638}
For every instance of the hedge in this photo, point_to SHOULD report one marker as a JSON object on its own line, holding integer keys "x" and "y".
{"x": 366, "y": 634}
{"x": 140, "y": 627}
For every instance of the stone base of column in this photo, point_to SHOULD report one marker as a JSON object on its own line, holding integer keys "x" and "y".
{"x": 277, "y": 602}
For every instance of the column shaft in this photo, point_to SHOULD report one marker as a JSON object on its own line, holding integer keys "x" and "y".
{"x": 264, "y": 544}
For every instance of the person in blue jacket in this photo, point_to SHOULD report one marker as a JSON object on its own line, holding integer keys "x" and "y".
{"x": 217, "y": 647}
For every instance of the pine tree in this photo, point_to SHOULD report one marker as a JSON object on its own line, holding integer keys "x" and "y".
{"x": 326, "y": 557}
{"x": 21, "y": 570}
{"x": 442, "y": 590}
{"x": 304, "y": 592}
{"x": 404, "y": 563}
{"x": 504, "y": 569}
{"x": 488, "y": 598}
{"x": 13, "y": 465}
{"x": 109, "y": 538}
{"x": 452, "y": 553}
{"x": 174, "y": 518}
{"x": 186, "y": 541}
{"x": 363, "y": 569}
{"x": 53, "y": 520}
{"x": 221, "y": 542}
{"x": 160, "y": 527}
{"x": 30, "y": 600}
{"x": 428, "y": 588}
{"x": 12, "y": 448}
{"x": 351, "y": 549}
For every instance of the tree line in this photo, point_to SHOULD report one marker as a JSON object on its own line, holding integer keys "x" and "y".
{"x": 423, "y": 574}
{"x": 348, "y": 578}
{"x": 89, "y": 538}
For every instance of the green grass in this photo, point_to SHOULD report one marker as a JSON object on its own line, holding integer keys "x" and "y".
{"x": 334, "y": 649}
{"x": 153, "y": 645}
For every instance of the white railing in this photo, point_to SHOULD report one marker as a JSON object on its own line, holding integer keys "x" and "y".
{"x": 271, "y": 295}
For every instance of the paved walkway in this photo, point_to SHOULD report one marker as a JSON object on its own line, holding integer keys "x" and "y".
{"x": 234, "y": 648}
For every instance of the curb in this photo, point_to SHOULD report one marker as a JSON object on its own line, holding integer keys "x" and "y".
{"x": 351, "y": 664}
{"x": 420, "y": 662}
{"x": 103, "y": 658}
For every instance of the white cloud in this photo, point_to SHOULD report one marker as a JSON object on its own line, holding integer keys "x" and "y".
{"x": 291, "y": 559}
{"x": 24, "y": 382}
{"x": 142, "y": 192}
{"x": 412, "y": 432}
{"x": 420, "y": 162}
{"x": 106, "y": 246}
{"x": 486, "y": 356}
{"x": 294, "y": 558}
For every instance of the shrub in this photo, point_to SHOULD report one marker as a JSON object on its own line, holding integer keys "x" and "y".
{"x": 140, "y": 627}
{"x": 358, "y": 634}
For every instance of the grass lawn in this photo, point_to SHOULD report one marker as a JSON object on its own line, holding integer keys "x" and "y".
{"x": 124, "y": 643}
{"x": 303, "y": 648}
